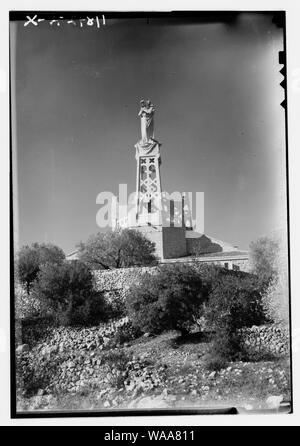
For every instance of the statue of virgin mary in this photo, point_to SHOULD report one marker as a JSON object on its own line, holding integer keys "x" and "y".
{"x": 146, "y": 114}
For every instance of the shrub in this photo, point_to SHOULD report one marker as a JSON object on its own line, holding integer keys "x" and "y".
{"x": 276, "y": 300}
{"x": 117, "y": 364}
{"x": 169, "y": 299}
{"x": 215, "y": 363}
{"x": 35, "y": 330}
{"x": 226, "y": 346}
{"x": 237, "y": 301}
{"x": 210, "y": 274}
{"x": 115, "y": 305}
{"x": 234, "y": 302}
{"x": 276, "y": 296}
{"x": 269, "y": 259}
{"x": 117, "y": 359}
{"x": 67, "y": 291}
{"x": 34, "y": 372}
{"x": 126, "y": 333}
{"x": 31, "y": 258}
{"x": 263, "y": 254}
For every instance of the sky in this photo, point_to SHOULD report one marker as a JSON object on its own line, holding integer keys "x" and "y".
{"x": 75, "y": 99}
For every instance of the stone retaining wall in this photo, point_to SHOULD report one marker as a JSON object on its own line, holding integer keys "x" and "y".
{"x": 118, "y": 281}
{"x": 266, "y": 340}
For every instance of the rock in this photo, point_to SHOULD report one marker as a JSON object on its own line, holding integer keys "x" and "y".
{"x": 157, "y": 402}
{"x": 106, "y": 404}
{"x": 130, "y": 386}
{"x": 172, "y": 398}
{"x": 37, "y": 402}
{"x": 274, "y": 401}
{"x": 102, "y": 392}
{"x": 22, "y": 348}
{"x": 248, "y": 406}
{"x": 146, "y": 335}
{"x": 54, "y": 349}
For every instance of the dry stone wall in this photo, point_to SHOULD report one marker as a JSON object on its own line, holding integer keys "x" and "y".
{"x": 266, "y": 340}
{"x": 119, "y": 280}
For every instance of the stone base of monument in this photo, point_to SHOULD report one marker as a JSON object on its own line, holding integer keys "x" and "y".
{"x": 170, "y": 242}
{"x": 174, "y": 242}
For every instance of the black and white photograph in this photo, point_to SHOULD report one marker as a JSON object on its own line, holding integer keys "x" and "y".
{"x": 149, "y": 167}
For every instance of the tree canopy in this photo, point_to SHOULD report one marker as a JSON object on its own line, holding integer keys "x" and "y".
{"x": 263, "y": 256}
{"x": 31, "y": 258}
{"x": 269, "y": 258}
{"x": 117, "y": 249}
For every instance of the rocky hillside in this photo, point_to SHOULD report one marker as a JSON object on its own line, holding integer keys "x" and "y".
{"x": 75, "y": 368}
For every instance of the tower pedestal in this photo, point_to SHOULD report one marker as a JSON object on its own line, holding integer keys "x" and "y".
{"x": 169, "y": 240}
{"x": 148, "y": 184}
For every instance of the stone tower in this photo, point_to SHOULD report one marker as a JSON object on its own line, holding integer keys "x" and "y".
{"x": 148, "y": 182}
{"x": 154, "y": 215}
